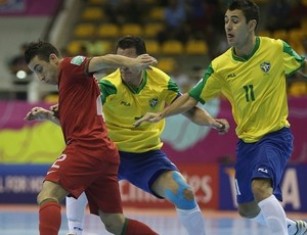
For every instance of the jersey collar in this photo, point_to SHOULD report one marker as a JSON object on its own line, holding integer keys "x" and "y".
{"x": 246, "y": 57}
{"x": 137, "y": 90}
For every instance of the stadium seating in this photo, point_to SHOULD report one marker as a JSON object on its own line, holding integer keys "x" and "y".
{"x": 84, "y": 30}
{"x": 132, "y": 29}
{"x": 97, "y": 2}
{"x": 196, "y": 47}
{"x": 74, "y": 46}
{"x": 172, "y": 47}
{"x": 92, "y": 14}
{"x": 109, "y": 30}
{"x": 166, "y": 64}
{"x": 156, "y": 14}
{"x": 152, "y": 47}
{"x": 152, "y": 29}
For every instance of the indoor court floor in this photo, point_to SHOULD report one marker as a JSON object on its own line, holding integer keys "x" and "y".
{"x": 23, "y": 220}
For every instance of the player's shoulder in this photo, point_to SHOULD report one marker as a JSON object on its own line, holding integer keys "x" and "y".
{"x": 270, "y": 42}
{"x": 74, "y": 61}
{"x": 156, "y": 74}
{"x": 222, "y": 59}
{"x": 112, "y": 77}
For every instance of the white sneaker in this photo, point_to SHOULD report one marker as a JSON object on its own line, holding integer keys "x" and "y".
{"x": 301, "y": 227}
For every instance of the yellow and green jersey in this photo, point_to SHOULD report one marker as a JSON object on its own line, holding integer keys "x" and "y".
{"x": 123, "y": 105}
{"x": 255, "y": 86}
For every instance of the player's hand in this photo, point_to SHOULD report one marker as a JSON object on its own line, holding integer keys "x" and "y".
{"x": 148, "y": 117}
{"x": 55, "y": 110}
{"x": 143, "y": 62}
{"x": 39, "y": 113}
{"x": 221, "y": 125}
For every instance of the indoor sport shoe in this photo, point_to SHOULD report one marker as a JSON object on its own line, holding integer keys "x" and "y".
{"x": 301, "y": 227}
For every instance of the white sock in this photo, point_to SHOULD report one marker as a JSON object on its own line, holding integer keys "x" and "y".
{"x": 260, "y": 219}
{"x": 75, "y": 209}
{"x": 291, "y": 225}
{"x": 192, "y": 220}
{"x": 274, "y": 215}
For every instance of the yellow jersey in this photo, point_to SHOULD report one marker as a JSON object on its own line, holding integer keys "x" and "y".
{"x": 255, "y": 86}
{"x": 123, "y": 105}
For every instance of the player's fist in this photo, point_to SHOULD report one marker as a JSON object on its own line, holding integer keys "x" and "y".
{"x": 148, "y": 117}
{"x": 38, "y": 113}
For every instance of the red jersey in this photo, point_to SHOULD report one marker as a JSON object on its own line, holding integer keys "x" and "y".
{"x": 80, "y": 111}
{"x": 90, "y": 160}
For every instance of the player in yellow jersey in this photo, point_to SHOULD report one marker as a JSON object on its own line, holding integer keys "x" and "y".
{"x": 126, "y": 96}
{"x": 252, "y": 76}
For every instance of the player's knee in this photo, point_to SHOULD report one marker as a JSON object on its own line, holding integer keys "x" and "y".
{"x": 113, "y": 227}
{"x": 46, "y": 196}
{"x": 113, "y": 223}
{"x": 248, "y": 210}
{"x": 41, "y": 197}
{"x": 183, "y": 198}
{"x": 261, "y": 189}
{"x": 246, "y": 213}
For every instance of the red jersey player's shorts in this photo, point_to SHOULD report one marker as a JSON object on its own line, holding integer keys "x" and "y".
{"x": 93, "y": 170}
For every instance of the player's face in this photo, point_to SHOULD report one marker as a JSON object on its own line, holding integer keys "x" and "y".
{"x": 236, "y": 28}
{"x": 45, "y": 71}
{"x": 128, "y": 75}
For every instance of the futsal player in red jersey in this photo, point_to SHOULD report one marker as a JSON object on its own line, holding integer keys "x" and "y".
{"x": 90, "y": 160}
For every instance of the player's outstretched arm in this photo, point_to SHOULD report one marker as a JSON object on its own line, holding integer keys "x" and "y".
{"x": 221, "y": 125}
{"x": 303, "y": 70}
{"x": 39, "y": 113}
{"x": 141, "y": 62}
{"x": 180, "y": 105}
{"x": 148, "y": 117}
{"x": 202, "y": 117}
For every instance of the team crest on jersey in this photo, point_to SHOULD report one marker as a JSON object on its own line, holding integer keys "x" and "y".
{"x": 77, "y": 60}
{"x": 265, "y": 66}
{"x": 153, "y": 102}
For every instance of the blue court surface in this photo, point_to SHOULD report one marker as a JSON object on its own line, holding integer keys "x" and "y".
{"x": 23, "y": 220}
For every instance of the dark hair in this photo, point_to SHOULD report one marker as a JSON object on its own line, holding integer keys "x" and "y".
{"x": 40, "y": 49}
{"x": 132, "y": 42}
{"x": 249, "y": 9}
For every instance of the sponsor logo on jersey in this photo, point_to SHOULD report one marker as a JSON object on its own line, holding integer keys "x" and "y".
{"x": 231, "y": 75}
{"x": 77, "y": 60}
{"x": 265, "y": 66}
{"x": 125, "y": 103}
{"x": 153, "y": 102}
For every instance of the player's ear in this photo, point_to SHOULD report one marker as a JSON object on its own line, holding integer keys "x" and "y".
{"x": 53, "y": 57}
{"x": 252, "y": 24}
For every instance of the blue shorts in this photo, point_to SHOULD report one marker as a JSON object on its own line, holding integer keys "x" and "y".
{"x": 266, "y": 158}
{"x": 142, "y": 169}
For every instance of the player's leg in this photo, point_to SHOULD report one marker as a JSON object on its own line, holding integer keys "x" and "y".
{"x": 75, "y": 210}
{"x": 105, "y": 200}
{"x": 154, "y": 173}
{"x": 172, "y": 186}
{"x": 117, "y": 223}
{"x": 277, "y": 145}
{"x": 253, "y": 211}
{"x": 270, "y": 207}
{"x": 254, "y": 198}
{"x": 265, "y": 163}
{"x": 267, "y": 199}
{"x": 49, "y": 200}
